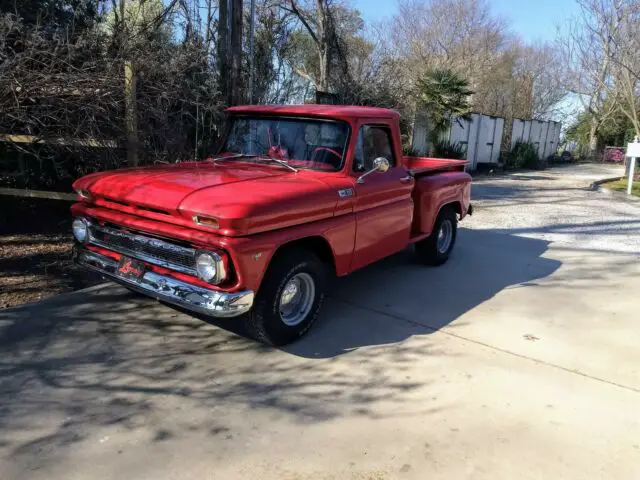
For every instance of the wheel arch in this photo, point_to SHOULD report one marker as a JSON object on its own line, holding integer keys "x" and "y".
{"x": 316, "y": 244}
{"x": 456, "y": 205}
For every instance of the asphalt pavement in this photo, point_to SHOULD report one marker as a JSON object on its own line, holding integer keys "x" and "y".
{"x": 517, "y": 359}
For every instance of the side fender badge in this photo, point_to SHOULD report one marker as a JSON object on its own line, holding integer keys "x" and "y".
{"x": 345, "y": 192}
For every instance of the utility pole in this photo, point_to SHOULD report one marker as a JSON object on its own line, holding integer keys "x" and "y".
{"x": 252, "y": 34}
{"x": 230, "y": 50}
{"x": 224, "y": 48}
{"x": 236, "y": 52}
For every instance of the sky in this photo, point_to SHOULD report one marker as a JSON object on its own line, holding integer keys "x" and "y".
{"x": 533, "y": 20}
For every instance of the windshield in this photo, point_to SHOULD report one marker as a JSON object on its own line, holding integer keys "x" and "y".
{"x": 300, "y": 142}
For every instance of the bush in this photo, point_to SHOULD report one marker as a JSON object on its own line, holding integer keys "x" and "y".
{"x": 524, "y": 155}
{"x": 454, "y": 151}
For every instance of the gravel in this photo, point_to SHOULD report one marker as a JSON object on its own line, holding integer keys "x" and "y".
{"x": 559, "y": 205}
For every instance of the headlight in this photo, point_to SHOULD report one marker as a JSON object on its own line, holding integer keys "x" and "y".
{"x": 80, "y": 229}
{"x": 210, "y": 267}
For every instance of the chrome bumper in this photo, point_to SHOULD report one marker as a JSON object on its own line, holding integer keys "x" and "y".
{"x": 170, "y": 290}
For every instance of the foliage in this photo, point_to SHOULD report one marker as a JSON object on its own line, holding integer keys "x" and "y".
{"x": 61, "y": 72}
{"x": 444, "y": 95}
{"x": 455, "y": 151}
{"x": 614, "y": 130}
{"x": 510, "y": 78}
{"x": 72, "y": 16}
{"x": 68, "y": 92}
{"x": 524, "y": 155}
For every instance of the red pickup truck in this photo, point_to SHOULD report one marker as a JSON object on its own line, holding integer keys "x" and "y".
{"x": 295, "y": 195}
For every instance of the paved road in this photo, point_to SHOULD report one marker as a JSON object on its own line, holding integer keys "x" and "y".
{"x": 518, "y": 359}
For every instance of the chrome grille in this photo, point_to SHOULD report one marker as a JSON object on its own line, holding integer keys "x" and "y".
{"x": 147, "y": 249}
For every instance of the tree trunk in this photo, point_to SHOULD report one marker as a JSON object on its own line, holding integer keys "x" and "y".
{"x": 235, "y": 96}
{"x": 131, "y": 115}
{"x": 593, "y": 137}
{"x": 322, "y": 14}
{"x": 324, "y": 71}
{"x": 224, "y": 47}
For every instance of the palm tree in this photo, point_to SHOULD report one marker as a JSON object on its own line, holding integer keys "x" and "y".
{"x": 445, "y": 95}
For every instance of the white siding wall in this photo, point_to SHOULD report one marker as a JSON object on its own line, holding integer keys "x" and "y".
{"x": 481, "y": 136}
{"x": 544, "y": 135}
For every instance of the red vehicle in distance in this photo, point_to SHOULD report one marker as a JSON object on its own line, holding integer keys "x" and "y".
{"x": 295, "y": 195}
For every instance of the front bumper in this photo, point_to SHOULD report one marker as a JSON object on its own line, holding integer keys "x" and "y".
{"x": 171, "y": 290}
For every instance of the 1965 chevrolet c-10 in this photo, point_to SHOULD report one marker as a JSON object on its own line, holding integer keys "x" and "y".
{"x": 295, "y": 195}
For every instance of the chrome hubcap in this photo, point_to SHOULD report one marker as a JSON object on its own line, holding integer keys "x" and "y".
{"x": 297, "y": 299}
{"x": 444, "y": 236}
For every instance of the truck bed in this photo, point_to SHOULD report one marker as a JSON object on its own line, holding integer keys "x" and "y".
{"x": 438, "y": 181}
{"x": 418, "y": 166}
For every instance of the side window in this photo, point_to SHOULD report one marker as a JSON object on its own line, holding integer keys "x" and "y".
{"x": 373, "y": 142}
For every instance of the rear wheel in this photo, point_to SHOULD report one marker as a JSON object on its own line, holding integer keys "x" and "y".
{"x": 436, "y": 248}
{"x": 290, "y": 298}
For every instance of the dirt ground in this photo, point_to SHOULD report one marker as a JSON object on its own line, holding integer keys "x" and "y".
{"x": 35, "y": 251}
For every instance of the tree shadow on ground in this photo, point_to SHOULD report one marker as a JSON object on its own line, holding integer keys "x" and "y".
{"x": 81, "y": 363}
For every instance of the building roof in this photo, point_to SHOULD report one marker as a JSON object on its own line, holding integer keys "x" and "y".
{"x": 329, "y": 111}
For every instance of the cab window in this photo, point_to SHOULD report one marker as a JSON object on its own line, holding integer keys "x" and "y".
{"x": 373, "y": 142}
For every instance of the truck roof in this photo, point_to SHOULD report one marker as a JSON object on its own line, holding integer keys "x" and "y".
{"x": 329, "y": 111}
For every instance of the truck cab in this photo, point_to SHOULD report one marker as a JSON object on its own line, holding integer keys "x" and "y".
{"x": 294, "y": 196}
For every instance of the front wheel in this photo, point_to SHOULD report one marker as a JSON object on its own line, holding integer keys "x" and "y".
{"x": 436, "y": 248}
{"x": 290, "y": 298}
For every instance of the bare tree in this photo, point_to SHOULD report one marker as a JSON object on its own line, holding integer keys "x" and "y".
{"x": 509, "y": 78}
{"x": 316, "y": 18}
{"x": 588, "y": 47}
{"x": 625, "y": 60}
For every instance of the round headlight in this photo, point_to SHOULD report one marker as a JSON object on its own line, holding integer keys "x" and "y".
{"x": 206, "y": 266}
{"x": 80, "y": 230}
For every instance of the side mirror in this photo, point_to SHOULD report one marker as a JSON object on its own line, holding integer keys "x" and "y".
{"x": 380, "y": 165}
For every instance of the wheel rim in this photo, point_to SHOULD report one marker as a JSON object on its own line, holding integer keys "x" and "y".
{"x": 445, "y": 234}
{"x": 296, "y": 299}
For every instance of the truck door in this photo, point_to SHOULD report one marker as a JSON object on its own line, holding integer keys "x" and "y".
{"x": 384, "y": 208}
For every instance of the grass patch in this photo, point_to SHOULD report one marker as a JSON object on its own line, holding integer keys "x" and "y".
{"x": 621, "y": 186}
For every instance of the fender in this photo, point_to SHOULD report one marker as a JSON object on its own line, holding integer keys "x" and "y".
{"x": 254, "y": 254}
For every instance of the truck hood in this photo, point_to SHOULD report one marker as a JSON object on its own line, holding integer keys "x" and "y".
{"x": 245, "y": 198}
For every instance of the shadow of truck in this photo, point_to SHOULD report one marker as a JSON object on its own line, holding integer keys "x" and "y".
{"x": 425, "y": 299}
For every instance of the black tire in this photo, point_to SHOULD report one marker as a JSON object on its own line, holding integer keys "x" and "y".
{"x": 265, "y": 322}
{"x": 427, "y": 250}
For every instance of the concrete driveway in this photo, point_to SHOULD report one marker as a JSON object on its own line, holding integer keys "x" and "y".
{"x": 518, "y": 359}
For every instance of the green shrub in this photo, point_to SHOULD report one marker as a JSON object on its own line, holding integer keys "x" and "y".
{"x": 444, "y": 149}
{"x": 524, "y": 155}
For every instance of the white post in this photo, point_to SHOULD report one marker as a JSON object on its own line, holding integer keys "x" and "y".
{"x": 632, "y": 169}
{"x": 633, "y": 151}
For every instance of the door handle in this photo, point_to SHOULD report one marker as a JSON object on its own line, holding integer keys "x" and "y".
{"x": 406, "y": 179}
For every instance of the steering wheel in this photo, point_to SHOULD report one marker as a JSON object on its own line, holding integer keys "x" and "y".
{"x": 330, "y": 150}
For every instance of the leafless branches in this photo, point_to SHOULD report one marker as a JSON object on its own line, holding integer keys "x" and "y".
{"x": 58, "y": 86}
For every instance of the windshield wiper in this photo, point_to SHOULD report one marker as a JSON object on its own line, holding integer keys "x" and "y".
{"x": 279, "y": 162}
{"x": 232, "y": 157}
{"x": 251, "y": 155}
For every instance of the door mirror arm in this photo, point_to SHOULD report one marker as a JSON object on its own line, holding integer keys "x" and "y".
{"x": 380, "y": 165}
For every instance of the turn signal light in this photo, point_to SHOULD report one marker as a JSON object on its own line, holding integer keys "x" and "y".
{"x": 83, "y": 194}
{"x": 206, "y": 221}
